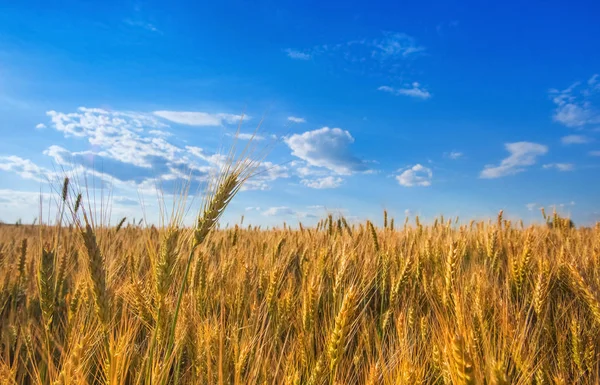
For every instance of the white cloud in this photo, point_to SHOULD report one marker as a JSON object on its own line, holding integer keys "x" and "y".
{"x": 296, "y": 119}
{"x": 522, "y": 154}
{"x": 323, "y": 183}
{"x": 573, "y": 115}
{"x": 267, "y": 172}
{"x": 309, "y": 171}
{"x": 575, "y": 139}
{"x": 40, "y": 126}
{"x": 575, "y": 105}
{"x": 531, "y": 206}
{"x": 283, "y": 211}
{"x": 417, "y": 175}
{"x": 195, "y": 118}
{"x": 125, "y": 201}
{"x": 394, "y": 45}
{"x": 305, "y": 171}
{"x": 594, "y": 153}
{"x": 407, "y": 212}
{"x": 253, "y": 208}
{"x": 414, "y": 90}
{"x": 25, "y": 168}
{"x": 278, "y": 211}
{"x": 160, "y": 133}
{"x": 328, "y": 148}
{"x": 13, "y": 198}
{"x": 246, "y": 136}
{"x": 294, "y": 54}
{"x": 24, "y": 205}
{"x": 560, "y": 166}
{"x": 130, "y": 149}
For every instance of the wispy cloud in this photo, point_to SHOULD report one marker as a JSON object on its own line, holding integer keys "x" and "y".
{"x": 417, "y": 175}
{"x": 282, "y": 211}
{"x": 575, "y": 106}
{"x": 575, "y": 139}
{"x": 328, "y": 148}
{"x": 295, "y": 119}
{"x": 196, "y": 118}
{"x": 522, "y": 155}
{"x": 594, "y": 153}
{"x": 560, "y": 166}
{"x": 531, "y": 206}
{"x": 394, "y": 44}
{"x": 414, "y": 90}
{"x": 454, "y": 155}
{"x": 323, "y": 183}
{"x": 25, "y": 168}
{"x": 40, "y": 126}
{"x": 386, "y": 55}
{"x": 298, "y": 55}
{"x": 537, "y": 206}
{"x": 246, "y": 136}
{"x": 142, "y": 24}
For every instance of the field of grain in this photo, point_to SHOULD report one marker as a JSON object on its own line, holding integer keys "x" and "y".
{"x": 484, "y": 303}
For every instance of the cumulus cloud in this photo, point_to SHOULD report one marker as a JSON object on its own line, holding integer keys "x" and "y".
{"x": 560, "y": 166}
{"x": 328, "y": 148}
{"x": 414, "y": 90}
{"x": 575, "y": 139}
{"x": 522, "y": 155}
{"x": 298, "y": 55}
{"x": 40, "y": 126}
{"x": 295, "y": 119}
{"x": 576, "y": 105}
{"x": 266, "y": 173}
{"x": 129, "y": 148}
{"x": 417, "y": 175}
{"x": 323, "y": 183}
{"x": 194, "y": 118}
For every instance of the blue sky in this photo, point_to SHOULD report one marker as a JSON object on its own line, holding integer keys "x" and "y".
{"x": 424, "y": 108}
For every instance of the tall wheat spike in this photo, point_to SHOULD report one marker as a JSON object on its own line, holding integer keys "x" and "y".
{"x": 337, "y": 340}
{"x": 97, "y": 271}
{"x": 45, "y": 282}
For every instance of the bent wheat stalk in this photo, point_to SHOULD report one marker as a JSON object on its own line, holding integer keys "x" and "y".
{"x": 228, "y": 182}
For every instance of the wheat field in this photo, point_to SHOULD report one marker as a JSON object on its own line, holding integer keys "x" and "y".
{"x": 485, "y": 303}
